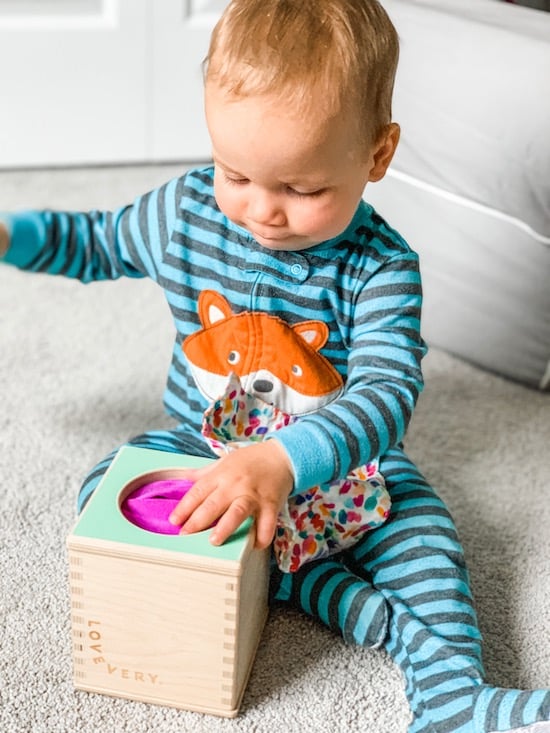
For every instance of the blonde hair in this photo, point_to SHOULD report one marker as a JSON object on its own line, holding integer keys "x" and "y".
{"x": 327, "y": 56}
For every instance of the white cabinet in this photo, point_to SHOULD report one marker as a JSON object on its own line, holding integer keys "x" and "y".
{"x": 103, "y": 81}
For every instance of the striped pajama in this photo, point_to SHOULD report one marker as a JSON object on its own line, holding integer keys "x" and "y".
{"x": 405, "y": 584}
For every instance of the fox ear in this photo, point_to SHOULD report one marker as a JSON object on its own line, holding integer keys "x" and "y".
{"x": 315, "y": 333}
{"x": 213, "y": 307}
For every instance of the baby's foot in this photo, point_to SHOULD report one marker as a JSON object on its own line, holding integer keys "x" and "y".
{"x": 540, "y": 727}
{"x": 499, "y": 710}
{"x": 485, "y": 709}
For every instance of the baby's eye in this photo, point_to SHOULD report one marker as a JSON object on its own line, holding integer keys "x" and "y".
{"x": 235, "y": 180}
{"x": 297, "y": 370}
{"x": 234, "y": 357}
{"x": 305, "y": 194}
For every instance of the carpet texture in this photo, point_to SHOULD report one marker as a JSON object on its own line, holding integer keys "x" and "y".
{"x": 82, "y": 369}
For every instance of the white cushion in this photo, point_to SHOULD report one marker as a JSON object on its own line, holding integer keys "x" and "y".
{"x": 470, "y": 183}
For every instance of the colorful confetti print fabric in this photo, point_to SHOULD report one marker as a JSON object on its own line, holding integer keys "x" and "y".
{"x": 328, "y": 518}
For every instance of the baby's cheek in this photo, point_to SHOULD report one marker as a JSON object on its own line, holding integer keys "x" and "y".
{"x": 229, "y": 202}
{"x": 322, "y": 221}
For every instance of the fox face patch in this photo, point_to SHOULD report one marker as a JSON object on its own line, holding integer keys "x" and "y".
{"x": 278, "y": 363}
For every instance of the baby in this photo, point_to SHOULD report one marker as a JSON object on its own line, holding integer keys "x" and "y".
{"x": 297, "y": 286}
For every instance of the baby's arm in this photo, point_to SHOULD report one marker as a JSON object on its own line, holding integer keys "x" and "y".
{"x": 251, "y": 482}
{"x": 383, "y": 381}
{"x": 93, "y": 245}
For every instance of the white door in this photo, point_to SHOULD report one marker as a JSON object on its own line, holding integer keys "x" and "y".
{"x": 102, "y": 81}
{"x": 181, "y": 34}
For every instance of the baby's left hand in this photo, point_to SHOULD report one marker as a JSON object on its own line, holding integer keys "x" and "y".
{"x": 254, "y": 481}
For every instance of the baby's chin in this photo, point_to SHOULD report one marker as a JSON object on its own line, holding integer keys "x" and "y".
{"x": 291, "y": 243}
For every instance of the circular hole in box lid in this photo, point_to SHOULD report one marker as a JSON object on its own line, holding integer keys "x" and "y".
{"x": 148, "y": 500}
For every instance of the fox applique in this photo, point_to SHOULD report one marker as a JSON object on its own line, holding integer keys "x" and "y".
{"x": 278, "y": 363}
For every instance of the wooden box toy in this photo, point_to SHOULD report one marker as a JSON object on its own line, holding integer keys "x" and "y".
{"x": 165, "y": 619}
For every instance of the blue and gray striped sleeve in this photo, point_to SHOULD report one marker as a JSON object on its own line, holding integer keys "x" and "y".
{"x": 95, "y": 245}
{"x": 383, "y": 382}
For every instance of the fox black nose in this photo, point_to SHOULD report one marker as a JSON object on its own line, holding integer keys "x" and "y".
{"x": 262, "y": 385}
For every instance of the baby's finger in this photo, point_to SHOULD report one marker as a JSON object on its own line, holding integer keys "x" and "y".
{"x": 207, "y": 512}
{"x": 266, "y": 524}
{"x": 239, "y": 510}
{"x": 190, "y": 502}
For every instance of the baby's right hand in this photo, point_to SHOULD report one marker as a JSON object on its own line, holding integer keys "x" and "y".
{"x": 4, "y": 239}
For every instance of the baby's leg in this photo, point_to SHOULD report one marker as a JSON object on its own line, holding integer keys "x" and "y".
{"x": 416, "y": 562}
{"x": 179, "y": 440}
{"x": 326, "y": 589}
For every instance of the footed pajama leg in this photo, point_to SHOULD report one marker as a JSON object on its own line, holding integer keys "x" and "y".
{"x": 416, "y": 562}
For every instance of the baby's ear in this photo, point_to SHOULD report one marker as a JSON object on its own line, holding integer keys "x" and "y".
{"x": 384, "y": 150}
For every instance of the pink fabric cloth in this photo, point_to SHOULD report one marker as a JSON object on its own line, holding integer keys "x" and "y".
{"x": 150, "y": 505}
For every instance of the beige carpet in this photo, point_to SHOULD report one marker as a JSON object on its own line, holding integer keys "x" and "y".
{"x": 82, "y": 369}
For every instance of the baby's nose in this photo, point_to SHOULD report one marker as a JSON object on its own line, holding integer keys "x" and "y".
{"x": 265, "y": 209}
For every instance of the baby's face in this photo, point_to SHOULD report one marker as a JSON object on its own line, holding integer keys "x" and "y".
{"x": 291, "y": 182}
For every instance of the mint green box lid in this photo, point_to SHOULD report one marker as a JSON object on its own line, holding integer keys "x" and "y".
{"x": 102, "y": 518}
